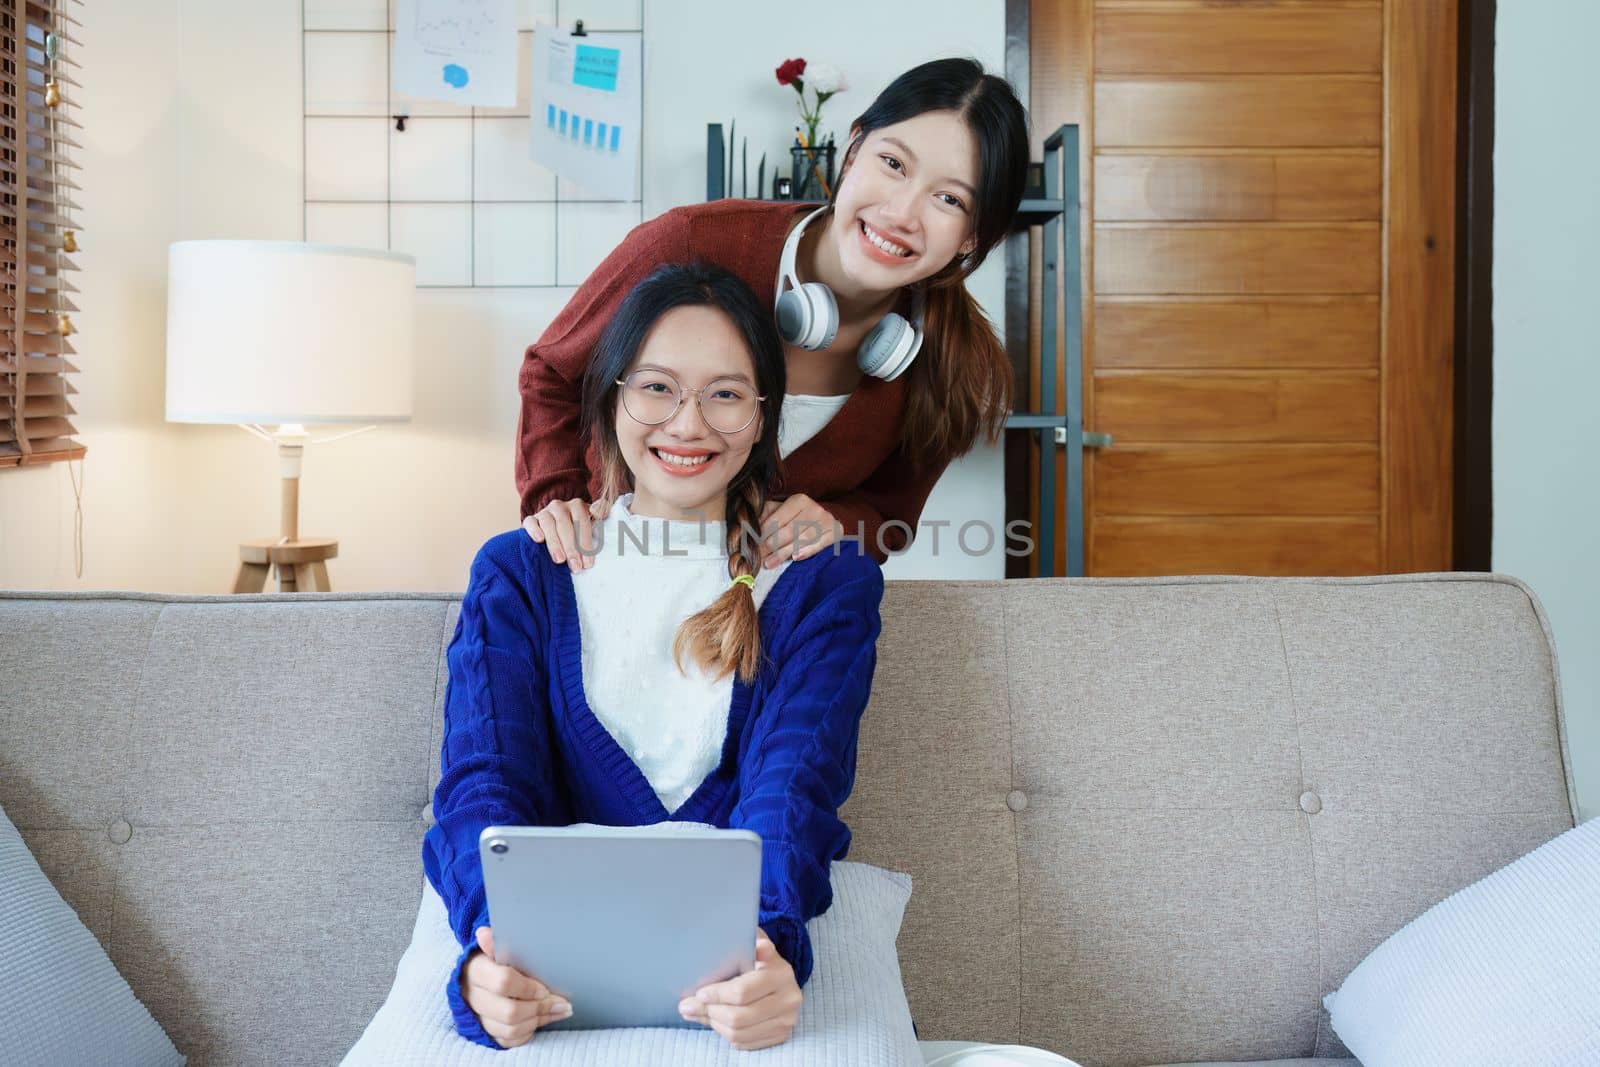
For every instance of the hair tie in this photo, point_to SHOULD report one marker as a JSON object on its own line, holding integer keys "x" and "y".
{"x": 746, "y": 580}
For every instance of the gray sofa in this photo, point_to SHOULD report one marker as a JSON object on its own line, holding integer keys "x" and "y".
{"x": 1149, "y": 821}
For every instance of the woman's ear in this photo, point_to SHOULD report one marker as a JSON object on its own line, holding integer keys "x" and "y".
{"x": 970, "y": 244}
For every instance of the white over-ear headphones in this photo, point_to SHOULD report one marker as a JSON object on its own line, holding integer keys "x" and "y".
{"x": 808, "y": 316}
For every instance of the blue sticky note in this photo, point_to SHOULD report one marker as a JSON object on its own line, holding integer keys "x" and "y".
{"x": 616, "y": 135}
{"x": 588, "y": 131}
{"x": 596, "y": 68}
{"x": 550, "y": 116}
{"x": 455, "y": 75}
{"x": 563, "y": 122}
{"x": 600, "y": 135}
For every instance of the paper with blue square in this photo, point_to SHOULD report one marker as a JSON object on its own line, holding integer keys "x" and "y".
{"x": 586, "y": 108}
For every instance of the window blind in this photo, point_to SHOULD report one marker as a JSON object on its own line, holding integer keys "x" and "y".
{"x": 37, "y": 231}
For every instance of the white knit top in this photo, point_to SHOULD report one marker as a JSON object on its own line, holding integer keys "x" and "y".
{"x": 648, "y": 576}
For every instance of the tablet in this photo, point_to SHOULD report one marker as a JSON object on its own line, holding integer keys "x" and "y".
{"x": 623, "y": 921}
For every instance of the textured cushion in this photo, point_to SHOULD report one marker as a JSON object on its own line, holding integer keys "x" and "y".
{"x": 854, "y": 1013}
{"x": 1504, "y": 973}
{"x": 61, "y": 1000}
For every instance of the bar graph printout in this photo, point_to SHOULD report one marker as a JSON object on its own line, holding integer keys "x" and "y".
{"x": 586, "y": 106}
{"x": 461, "y": 51}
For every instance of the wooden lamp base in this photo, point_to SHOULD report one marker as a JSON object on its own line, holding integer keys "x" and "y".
{"x": 302, "y": 565}
{"x": 301, "y": 561}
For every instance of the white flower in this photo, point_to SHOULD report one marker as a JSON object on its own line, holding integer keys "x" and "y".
{"x": 825, "y": 79}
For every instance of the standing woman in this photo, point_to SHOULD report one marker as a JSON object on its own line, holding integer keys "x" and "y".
{"x": 893, "y": 369}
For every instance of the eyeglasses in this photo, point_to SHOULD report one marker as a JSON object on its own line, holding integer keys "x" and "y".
{"x": 653, "y": 397}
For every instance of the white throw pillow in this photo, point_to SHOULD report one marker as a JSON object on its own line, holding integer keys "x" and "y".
{"x": 855, "y": 1009}
{"x": 61, "y": 1000}
{"x": 1504, "y": 973}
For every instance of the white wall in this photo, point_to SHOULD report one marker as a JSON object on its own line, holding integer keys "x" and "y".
{"x": 1546, "y": 358}
{"x": 207, "y": 144}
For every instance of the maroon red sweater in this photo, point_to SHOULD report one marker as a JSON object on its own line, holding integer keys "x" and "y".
{"x": 854, "y": 466}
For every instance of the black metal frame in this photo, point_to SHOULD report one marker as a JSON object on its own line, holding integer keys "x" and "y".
{"x": 1061, "y": 270}
{"x": 1472, "y": 527}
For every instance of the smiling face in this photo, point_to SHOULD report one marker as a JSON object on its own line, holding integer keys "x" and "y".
{"x": 682, "y": 467}
{"x": 905, "y": 207}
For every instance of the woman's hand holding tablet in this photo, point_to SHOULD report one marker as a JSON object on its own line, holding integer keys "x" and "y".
{"x": 756, "y": 1010}
{"x": 510, "y": 1005}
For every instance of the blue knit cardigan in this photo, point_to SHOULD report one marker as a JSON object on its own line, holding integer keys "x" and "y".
{"x": 522, "y": 748}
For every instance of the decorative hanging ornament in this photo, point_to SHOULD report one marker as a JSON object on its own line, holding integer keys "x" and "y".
{"x": 64, "y": 326}
{"x": 69, "y": 241}
{"x": 52, "y": 94}
{"x": 52, "y": 46}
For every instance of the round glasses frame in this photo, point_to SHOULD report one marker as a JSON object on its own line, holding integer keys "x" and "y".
{"x": 683, "y": 392}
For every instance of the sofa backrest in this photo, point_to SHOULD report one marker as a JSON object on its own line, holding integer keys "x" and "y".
{"x": 1148, "y": 820}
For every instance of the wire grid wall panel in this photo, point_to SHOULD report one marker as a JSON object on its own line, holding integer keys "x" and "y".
{"x": 455, "y": 188}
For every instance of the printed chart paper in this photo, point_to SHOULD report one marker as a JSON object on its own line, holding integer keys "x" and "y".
{"x": 460, "y": 51}
{"x": 586, "y": 108}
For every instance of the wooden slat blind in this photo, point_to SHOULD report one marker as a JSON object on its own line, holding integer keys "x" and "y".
{"x": 37, "y": 231}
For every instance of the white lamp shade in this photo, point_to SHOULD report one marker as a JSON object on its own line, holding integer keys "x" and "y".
{"x": 287, "y": 332}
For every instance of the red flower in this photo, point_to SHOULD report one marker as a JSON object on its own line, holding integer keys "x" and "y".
{"x": 789, "y": 70}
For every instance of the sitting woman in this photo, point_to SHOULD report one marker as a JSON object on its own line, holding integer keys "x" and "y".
{"x": 675, "y": 679}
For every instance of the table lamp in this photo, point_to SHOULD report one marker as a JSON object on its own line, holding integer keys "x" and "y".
{"x": 288, "y": 334}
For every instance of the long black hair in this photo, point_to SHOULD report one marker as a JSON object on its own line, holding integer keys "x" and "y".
{"x": 724, "y": 637}
{"x": 960, "y": 384}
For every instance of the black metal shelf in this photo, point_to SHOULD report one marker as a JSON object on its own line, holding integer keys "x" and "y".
{"x": 1057, "y": 213}
{"x": 1036, "y": 212}
{"x": 1034, "y": 421}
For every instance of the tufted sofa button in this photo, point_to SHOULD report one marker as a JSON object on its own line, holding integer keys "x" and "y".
{"x": 427, "y": 814}
{"x": 1310, "y": 803}
{"x": 1016, "y": 800}
{"x": 120, "y": 832}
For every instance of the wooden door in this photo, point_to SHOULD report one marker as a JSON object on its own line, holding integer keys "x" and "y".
{"x": 1268, "y": 259}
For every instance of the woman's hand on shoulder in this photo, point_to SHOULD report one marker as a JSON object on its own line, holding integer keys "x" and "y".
{"x": 797, "y": 528}
{"x": 566, "y": 529}
{"x": 510, "y": 1005}
{"x": 757, "y": 1009}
